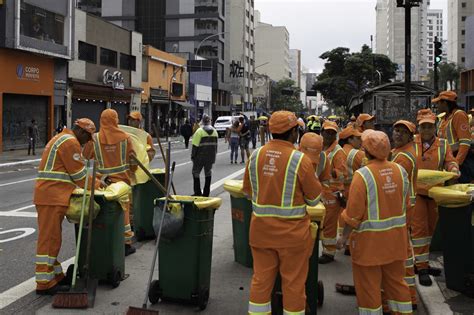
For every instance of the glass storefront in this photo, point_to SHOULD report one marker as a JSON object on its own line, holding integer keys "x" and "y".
{"x": 41, "y": 24}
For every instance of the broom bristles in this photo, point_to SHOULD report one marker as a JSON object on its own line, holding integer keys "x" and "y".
{"x": 141, "y": 311}
{"x": 70, "y": 300}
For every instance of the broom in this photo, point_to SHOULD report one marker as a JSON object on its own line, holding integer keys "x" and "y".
{"x": 75, "y": 298}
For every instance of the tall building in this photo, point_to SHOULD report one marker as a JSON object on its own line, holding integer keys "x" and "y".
{"x": 390, "y": 36}
{"x": 458, "y": 11}
{"x": 272, "y": 50}
{"x": 240, "y": 42}
{"x": 435, "y": 30}
{"x": 295, "y": 66}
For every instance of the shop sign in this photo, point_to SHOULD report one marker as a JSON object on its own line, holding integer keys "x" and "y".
{"x": 113, "y": 79}
{"x": 28, "y": 73}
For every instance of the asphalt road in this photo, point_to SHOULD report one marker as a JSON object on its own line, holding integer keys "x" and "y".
{"x": 18, "y": 225}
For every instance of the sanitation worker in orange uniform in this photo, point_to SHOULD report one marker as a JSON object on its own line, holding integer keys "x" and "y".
{"x": 433, "y": 153}
{"x": 454, "y": 127}
{"x": 281, "y": 182}
{"x": 112, "y": 149}
{"x": 365, "y": 122}
{"x": 376, "y": 223}
{"x": 60, "y": 172}
{"x": 350, "y": 141}
{"x": 332, "y": 195}
{"x": 404, "y": 154}
{"x": 135, "y": 120}
{"x": 312, "y": 145}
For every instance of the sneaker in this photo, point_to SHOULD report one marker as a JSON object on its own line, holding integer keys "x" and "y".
{"x": 424, "y": 278}
{"x": 231, "y": 162}
{"x": 325, "y": 259}
{"x": 52, "y": 291}
{"x": 129, "y": 250}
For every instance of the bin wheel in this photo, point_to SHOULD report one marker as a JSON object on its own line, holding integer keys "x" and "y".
{"x": 116, "y": 278}
{"x": 320, "y": 293}
{"x": 140, "y": 234}
{"x": 155, "y": 293}
{"x": 203, "y": 299}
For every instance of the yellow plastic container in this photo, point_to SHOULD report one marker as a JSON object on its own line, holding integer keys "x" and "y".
{"x": 314, "y": 230}
{"x": 453, "y": 196}
{"x": 317, "y": 212}
{"x": 200, "y": 202}
{"x": 428, "y": 178}
{"x": 234, "y": 187}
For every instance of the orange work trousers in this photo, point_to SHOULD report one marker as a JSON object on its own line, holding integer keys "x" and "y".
{"x": 48, "y": 270}
{"x": 293, "y": 265}
{"x": 331, "y": 219}
{"x": 422, "y": 228}
{"x": 369, "y": 282}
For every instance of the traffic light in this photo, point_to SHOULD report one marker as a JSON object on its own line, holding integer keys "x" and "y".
{"x": 438, "y": 52}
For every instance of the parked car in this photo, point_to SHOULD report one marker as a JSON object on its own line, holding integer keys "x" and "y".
{"x": 222, "y": 123}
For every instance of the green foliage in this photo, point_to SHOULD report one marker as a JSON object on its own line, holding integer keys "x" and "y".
{"x": 347, "y": 74}
{"x": 280, "y": 101}
{"x": 448, "y": 73}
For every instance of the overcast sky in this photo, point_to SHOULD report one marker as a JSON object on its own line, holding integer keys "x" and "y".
{"x": 316, "y": 26}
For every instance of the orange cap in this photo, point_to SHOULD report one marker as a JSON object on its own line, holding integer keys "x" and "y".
{"x": 376, "y": 143}
{"x": 86, "y": 124}
{"x": 330, "y": 125}
{"x": 312, "y": 145}
{"x": 446, "y": 96}
{"x": 363, "y": 117}
{"x": 411, "y": 126}
{"x": 282, "y": 121}
{"x": 349, "y": 131}
{"x": 135, "y": 116}
{"x": 425, "y": 116}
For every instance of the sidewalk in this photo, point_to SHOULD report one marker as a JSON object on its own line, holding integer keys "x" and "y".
{"x": 438, "y": 299}
{"x": 21, "y": 157}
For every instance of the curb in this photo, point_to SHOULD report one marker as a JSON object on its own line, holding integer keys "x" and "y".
{"x": 433, "y": 299}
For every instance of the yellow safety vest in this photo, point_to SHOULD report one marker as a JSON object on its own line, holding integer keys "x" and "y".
{"x": 350, "y": 162}
{"x": 450, "y": 135}
{"x": 413, "y": 172}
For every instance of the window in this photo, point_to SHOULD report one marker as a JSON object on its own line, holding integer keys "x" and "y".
{"x": 463, "y": 32}
{"x": 108, "y": 57}
{"x": 463, "y": 4}
{"x": 430, "y": 28}
{"x": 463, "y": 59}
{"x": 87, "y": 52}
{"x": 463, "y": 46}
{"x": 127, "y": 62}
{"x": 41, "y": 24}
{"x": 248, "y": 14}
{"x": 463, "y": 18}
{"x": 145, "y": 68}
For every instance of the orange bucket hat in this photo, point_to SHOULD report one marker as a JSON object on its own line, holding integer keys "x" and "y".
{"x": 312, "y": 145}
{"x": 282, "y": 121}
{"x": 86, "y": 124}
{"x": 376, "y": 143}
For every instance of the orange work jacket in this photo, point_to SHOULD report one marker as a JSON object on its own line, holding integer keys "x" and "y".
{"x": 337, "y": 161}
{"x": 406, "y": 157}
{"x": 455, "y": 128}
{"x": 354, "y": 161}
{"x": 376, "y": 209}
{"x": 281, "y": 182}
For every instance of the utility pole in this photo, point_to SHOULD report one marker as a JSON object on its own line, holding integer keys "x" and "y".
{"x": 408, "y": 4}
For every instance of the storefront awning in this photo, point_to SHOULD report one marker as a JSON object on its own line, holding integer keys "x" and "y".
{"x": 186, "y": 105}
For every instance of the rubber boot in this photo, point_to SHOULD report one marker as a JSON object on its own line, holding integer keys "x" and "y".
{"x": 207, "y": 187}
{"x": 197, "y": 186}
{"x": 424, "y": 278}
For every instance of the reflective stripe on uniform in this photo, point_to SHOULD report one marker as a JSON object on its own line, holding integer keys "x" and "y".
{"x": 44, "y": 276}
{"x": 401, "y": 307}
{"x": 329, "y": 241}
{"x": 425, "y": 257}
{"x": 313, "y": 202}
{"x": 370, "y": 311}
{"x": 350, "y": 162}
{"x": 54, "y": 149}
{"x": 410, "y": 281}
{"x": 466, "y": 142}
{"x": 45, "y": 260}
{"x": 412, "y": 174}
{"x": 123, "y": 167}
{"x": 409, "y": 262}
{"x": 336, "y": 149}
{"x": 79, "y": 175}
{"x": 290, "y": 178}
{"x": 253, "y": 164}
{"x": 285, "y": 312}
{"x": 58, "y": 269}
{"x": 259, "y": 308}
{"x": 450, "y": 135}
{"x": 47, "y": 173}
{"x": 372, "y": 193}
{"x": 420, "y": 242}
{"x": 55, "y": 176}
{"x": 276, "y": 211}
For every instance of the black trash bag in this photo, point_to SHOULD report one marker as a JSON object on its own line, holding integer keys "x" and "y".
{"x": 172, "y": 221}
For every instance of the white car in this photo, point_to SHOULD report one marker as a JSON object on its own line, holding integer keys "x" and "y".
{"x": 224, "y": 122}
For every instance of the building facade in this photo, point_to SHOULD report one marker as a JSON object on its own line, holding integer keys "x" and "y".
{"x": 295, "y": 66}
{"x": 458, "y": 12}
{"x": 272, "y": 50}
{"x": 262, "y": 93}
{"x": 240, "y": 46}
{"x": 107, "y": 72}
{"x": 36, "y": 42}
{"x": 390, "y": 37}
{"x": 435, "y": 30}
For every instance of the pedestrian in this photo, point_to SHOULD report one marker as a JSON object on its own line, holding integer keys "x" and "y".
{"x": 281, "y": 182}
{"x": 33, "y": 136}
{"x": 312, "y": 145}
{"x": 186, "y": 131}
{"x": 365, "y": 122}
{"x": 232, "y": 137}
{"x": 203, "y": 155}
{"x": 404, "y": 154}
{"x": 113, "y": 149}
{"x": 262, "y": 131}
{"x": 333, "y": 193}
{"x": 376, "y": 223}
{"x": 59, "y": 173}
{"x": 135, "y": 120}
{"x": 454, "y": 127}
{"x": 244, "y": 138}
{"x": 254, "y": 125}
{"x": 432, "y": 153}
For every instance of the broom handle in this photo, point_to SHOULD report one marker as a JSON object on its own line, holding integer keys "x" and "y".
{"x": 165, "y": 206}
{"x": 81, "y": 223}
{"x": 89, "y": 231}
{"x": 147, "y": 172}
{"x": 157, "y": 133}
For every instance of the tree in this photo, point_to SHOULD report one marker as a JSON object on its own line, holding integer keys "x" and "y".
{"x": 448, "y": 74}
{"x": 285, "y": 96}
{"x": 347, "y": 74}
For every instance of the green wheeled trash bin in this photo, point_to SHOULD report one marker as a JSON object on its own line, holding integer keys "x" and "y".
{"x": 107, "y": 247}
{"x": 184, "y": 263}
{"x": 314, "y": 287}
{"x": 241, "y": 215}
{"x": 143, "y": 198}
{"x": 455, "y": 215}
